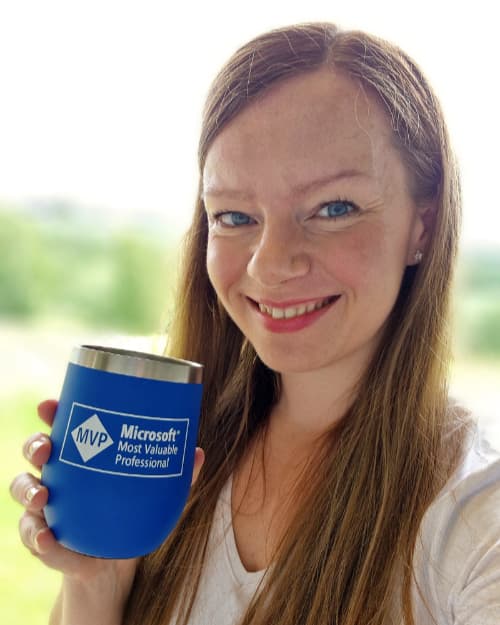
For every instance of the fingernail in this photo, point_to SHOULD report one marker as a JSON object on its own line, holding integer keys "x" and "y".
{"x": 30, "y": 493}
{"x": 33, "y": 448}
{"x": 36, "y": 543}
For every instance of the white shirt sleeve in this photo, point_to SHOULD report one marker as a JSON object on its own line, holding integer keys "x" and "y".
{"x": 475, "y": 596}
{"x": 457, "y": 560}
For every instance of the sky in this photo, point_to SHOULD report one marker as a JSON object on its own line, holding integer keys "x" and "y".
{"x": 100, "y": 101}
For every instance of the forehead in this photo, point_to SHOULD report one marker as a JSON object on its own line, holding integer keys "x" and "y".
{"x": 303, "y": 128}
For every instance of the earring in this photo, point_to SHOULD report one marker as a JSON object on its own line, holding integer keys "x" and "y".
{"x": 418, "y": 256}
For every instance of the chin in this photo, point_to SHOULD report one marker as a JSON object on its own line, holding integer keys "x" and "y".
{"x": 290, "y": 363}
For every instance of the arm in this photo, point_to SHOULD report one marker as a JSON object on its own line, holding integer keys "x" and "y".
{"x": 83, "y": 603}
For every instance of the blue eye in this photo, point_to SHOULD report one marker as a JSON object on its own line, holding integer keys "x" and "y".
{"x": 337, "y": 208}
{"x": 232, "y": 219}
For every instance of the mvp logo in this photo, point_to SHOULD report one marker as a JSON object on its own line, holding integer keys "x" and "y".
{"x": 91, "y": 438}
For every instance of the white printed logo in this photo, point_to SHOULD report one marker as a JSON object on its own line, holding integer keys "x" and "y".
{"x": 91, "y": 438}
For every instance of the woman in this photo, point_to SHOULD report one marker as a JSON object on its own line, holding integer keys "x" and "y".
{"x": 341, "y": 485}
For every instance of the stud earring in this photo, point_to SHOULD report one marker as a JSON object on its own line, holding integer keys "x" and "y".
{"x": 418, "y": 256}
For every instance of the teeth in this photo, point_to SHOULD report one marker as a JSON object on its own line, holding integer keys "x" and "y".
{"x": 292, "y": 311}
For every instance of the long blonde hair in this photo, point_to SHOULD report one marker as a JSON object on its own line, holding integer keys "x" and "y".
{"x": 399, "y": 442}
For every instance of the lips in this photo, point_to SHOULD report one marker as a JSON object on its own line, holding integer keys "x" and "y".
{"x": 290, "y": 312}
{"x": 293, "y": 315}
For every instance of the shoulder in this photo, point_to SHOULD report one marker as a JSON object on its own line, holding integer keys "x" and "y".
{"x": 457, "y": 557}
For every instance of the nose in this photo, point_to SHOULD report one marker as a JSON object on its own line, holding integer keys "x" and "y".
{"x": 279, "y": 255}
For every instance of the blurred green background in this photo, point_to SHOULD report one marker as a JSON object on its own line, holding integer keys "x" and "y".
{"x": 68, "y": 276}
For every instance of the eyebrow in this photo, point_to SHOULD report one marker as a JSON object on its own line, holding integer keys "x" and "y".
{"x": 301, "y": 189}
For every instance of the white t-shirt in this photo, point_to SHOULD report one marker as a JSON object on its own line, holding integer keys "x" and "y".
{"x": 457, "y": 558}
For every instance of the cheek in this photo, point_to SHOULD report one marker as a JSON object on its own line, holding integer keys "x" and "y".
{"x": 358, "y": 256}
{"x": 224, "y": 266}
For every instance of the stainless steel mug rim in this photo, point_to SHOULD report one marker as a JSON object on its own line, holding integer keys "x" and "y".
{"x": 137, "y": 364}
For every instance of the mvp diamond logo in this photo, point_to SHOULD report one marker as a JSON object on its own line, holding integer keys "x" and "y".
{"x": 91, "y": 438}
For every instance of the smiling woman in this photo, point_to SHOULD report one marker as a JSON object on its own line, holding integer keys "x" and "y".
{"x": 283, "y": 248}
{"x": 341, "y": 484}
{"x": 328, "y": 418}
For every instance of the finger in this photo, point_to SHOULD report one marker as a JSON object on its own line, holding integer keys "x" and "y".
{"x": 30, "y": 526}
{"x": 47, "y": 410}
{"x": 37, "y": 449}
{"x": 40, "y": 540}
{"x": 44, "y": 540}
{"x": 199, "y": 459}
{"x": 27, "y": 490}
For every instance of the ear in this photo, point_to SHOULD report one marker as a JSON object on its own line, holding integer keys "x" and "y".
{"x": 421, "y": 229}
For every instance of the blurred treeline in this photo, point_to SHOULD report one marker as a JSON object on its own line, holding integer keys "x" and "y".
{"x": 477, "y": 303}
{"x": 59, "y": 263}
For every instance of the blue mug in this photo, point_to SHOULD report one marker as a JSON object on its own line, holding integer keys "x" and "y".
{"x": 123, "y": 444}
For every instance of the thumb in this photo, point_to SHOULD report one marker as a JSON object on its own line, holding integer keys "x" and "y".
{"x": 199, "y": 459}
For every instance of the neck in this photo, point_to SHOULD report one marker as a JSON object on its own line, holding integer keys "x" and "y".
{"x": 313, "y": 402}
{"x": 283, "y": 456}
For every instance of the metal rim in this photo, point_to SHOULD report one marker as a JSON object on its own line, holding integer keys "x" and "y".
{"x": 137, "y": 364}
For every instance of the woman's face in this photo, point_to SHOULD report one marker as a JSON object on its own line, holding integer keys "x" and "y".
{"x": 311, "y": 223}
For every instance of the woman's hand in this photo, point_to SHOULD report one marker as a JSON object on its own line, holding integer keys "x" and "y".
{"x": 95, "y": 587}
